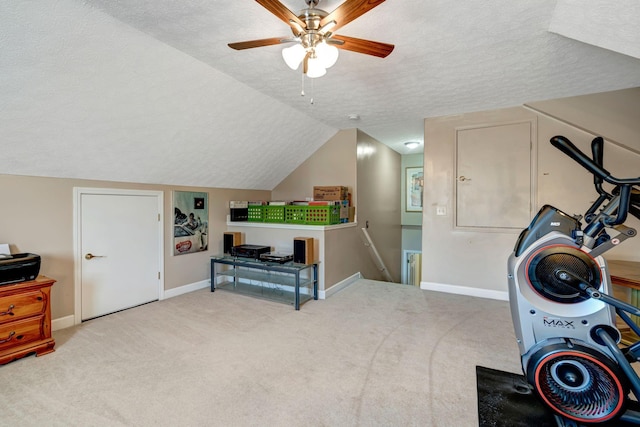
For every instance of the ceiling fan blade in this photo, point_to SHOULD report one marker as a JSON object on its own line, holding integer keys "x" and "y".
{"x": 259, "y": 43}
{"x": 281, "y": 11}
{"x": 368, "y": 47}
{"x": 348, "y": 11}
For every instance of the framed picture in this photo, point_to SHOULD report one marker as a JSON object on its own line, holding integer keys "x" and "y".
{"x": 414, "y": 183}
{"x": 190, "y": 222}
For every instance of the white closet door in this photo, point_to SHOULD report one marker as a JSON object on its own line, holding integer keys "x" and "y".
{"x": 119, "y": 247}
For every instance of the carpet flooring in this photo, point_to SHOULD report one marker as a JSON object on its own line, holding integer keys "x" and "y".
{"x": 373, "y": 354}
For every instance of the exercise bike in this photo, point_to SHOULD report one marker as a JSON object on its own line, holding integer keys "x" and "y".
{"x": 563, "y": 313}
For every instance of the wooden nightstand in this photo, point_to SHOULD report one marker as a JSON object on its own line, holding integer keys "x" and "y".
{"x": 25, "y": 319}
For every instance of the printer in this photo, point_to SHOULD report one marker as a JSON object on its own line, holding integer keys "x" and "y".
{"x": 18, "y": 268}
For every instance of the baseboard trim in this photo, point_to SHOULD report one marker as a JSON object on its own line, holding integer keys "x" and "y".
{"x": 63, "y": 322}
{"x": 465, "y": 290}
{"x": 185, "y": 289}
{"x": 68, "y": 321}
{"x": 339, "y": 286}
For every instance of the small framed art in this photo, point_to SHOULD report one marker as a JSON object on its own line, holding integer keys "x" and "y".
{"x": 414, "y": 184}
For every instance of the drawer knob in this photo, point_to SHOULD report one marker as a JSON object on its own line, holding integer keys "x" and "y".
{"x": 9, "y": 312}
{"x": 11, "y": 334}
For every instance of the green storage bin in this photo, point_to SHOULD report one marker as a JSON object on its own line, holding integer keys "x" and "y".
{"x": 256, "y": 213}
{"x": 323, "y": 215}
{"x": 274, "y": 213}
{"x": 296, "y": 214}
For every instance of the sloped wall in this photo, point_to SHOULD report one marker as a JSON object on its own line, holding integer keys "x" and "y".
{"x": 332, "y": 164}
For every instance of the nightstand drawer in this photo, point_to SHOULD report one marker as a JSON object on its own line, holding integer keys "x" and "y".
{"x": 13, "y": 307}
{"x": 21, "y": 332}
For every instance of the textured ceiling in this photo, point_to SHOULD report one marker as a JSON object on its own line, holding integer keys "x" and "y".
{"x": 152, "y": 88}
{"x": 450, "y": 57}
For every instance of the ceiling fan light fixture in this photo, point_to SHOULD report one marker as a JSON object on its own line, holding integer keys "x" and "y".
{"x": 313, "y": 33}
{"x": 294, "y": 55}
{"x": 327, "y": 54}
{"x": 315, "y": 68}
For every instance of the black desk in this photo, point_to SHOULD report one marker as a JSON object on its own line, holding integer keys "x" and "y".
{"x": 271, "y": 280}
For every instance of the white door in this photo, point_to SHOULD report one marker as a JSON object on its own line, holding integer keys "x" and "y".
{"x": 119, "y": 252}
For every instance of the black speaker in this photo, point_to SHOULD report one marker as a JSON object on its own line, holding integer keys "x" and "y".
{"x": 303, "y": 250}
{"x": 231, "y": 239}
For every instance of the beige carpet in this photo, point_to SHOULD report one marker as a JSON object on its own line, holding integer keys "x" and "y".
{"x": 374, "y": 354}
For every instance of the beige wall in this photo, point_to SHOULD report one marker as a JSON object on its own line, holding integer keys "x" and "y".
{"x": 566, "y": 185}
{"x": 562, "y": 182}
{"x": 37, "y": 217}
{"x": 476, "y": 261}
{"x": 332, "y": 164}
{"x": 455, "y": 257}
{"x": 614, "y": 115}
{"x": 379, "y": 200}
{"x": 371, "y": 170}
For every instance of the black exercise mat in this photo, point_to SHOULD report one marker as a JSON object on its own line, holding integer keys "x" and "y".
{"x": 507, "y": 400}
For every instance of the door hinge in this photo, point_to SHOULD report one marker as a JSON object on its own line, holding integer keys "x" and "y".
{"x": 158, "y": 275}
{"x": 158, "y": 217}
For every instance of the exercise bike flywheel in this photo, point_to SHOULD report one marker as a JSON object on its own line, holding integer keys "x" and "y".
{"x": 578, "y": 383}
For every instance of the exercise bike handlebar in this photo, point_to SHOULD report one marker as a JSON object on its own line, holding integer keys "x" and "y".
{"x": 567, "y": 147}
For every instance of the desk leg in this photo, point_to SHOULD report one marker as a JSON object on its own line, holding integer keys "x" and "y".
{"x": 315, "y": 281}
{"x": 213, "y": 276}
{"x": 297, "y": 304}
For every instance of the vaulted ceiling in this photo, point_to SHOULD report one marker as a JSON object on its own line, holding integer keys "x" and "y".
{"x": 148, "y": 90}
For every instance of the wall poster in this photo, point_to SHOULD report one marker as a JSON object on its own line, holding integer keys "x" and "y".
{"x": 415, "y": 185}
{"x": 190, "y": 222}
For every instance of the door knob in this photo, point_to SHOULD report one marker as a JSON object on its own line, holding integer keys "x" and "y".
{"x": 90, "y": 256}
{"x": 463, "y": 178}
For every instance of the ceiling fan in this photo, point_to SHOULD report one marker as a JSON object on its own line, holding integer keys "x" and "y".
{"x": 316, "y": 46}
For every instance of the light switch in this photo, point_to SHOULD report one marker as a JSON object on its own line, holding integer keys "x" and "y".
{"x": 441, "y": 210}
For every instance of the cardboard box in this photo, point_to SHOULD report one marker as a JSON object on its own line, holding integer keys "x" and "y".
{"x": 335, "y": 192}
{"x": 323, "y": 203}
{"x": 352, "y": 214}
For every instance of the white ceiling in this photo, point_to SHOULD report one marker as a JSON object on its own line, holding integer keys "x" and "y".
{"x": 151, "y": 86}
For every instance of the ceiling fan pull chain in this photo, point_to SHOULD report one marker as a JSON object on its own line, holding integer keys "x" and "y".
{"x": 312, "y": 90}
{"x": 302, "y": 84}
